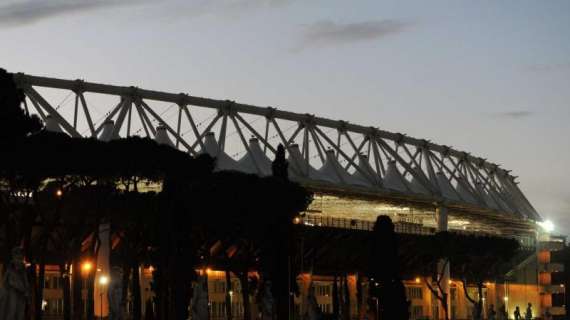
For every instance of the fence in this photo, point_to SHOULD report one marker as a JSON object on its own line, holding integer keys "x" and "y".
{"x": 404, "y": 225}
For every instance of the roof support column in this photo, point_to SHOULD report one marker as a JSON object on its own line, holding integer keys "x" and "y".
{"x": 441, "y": 218}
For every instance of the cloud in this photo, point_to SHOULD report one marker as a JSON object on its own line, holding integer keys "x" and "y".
{"x": 22, "y": 12}
{"x": 329, "y": 33}
{"x": 518, "y": 114}
{"x": 246, "y": 4}
{"x": 223, "y": 8}
{"x": 549, "y": 67}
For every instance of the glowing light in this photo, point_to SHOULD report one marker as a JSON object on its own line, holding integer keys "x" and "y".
{"x": 59, "y": 193}
{"x": 103, "y": 280}
{"x": 506, "y": 298}
{"x": 86, "y": 266}
{"x": 449, "y": 281}
{"x": 547, "y": 225}
{"x": 296, "y": 220}
{"x": 151, "y": 268}
{"x": 231, "y": 293}
{"x": 44, "y": 305}
{"x": 208, "y": 270}
{"x": 417, "y": 279}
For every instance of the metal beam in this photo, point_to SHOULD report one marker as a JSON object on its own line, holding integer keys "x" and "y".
{"x": 23, "y": 79}
{"x": 87, "y": 114}
{"x": 52, "y": 112}
{"x": 168, "y": 128}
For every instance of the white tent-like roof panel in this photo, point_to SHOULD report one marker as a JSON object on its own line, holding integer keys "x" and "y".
{"x": 161, "y": 137}
{"x": 51, "y": 125}
{"x": 364, "y": 166}
{"x": 415, "y": 185}
{"x": 393, "y": 179}
{"x": 223, "y": 160}
{"x": 255, "y": 161}
{"x": 107, "y": 132}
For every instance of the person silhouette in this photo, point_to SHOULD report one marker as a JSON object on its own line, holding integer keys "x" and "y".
{"x": 15, "y": 293}
{"x": 517, "y": 313}
{"x": 547, "y": 315}
{"x": 491, "y": 313}
{"x": 528, "y": 314}
{"x": 503, "y": 315}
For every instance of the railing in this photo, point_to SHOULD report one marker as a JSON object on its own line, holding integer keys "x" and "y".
{"x": 402, "y": 225}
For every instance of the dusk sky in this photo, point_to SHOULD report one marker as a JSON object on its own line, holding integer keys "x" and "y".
{"x": 488, "y": 77}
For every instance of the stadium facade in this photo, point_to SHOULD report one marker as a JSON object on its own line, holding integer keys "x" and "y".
{"x": 356, "y": 173}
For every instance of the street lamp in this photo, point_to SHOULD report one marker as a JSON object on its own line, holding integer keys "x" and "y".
{"x": 103, "y": 281}
{"x": 86, "y": 266}
{"x": 231, "y": 293}
{"x": 547, "y": 225}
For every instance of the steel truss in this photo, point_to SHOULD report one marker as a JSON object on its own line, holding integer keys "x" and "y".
{"x": 350, "y": 157}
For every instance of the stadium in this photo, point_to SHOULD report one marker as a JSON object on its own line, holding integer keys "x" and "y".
{"x": 355, "y": 172}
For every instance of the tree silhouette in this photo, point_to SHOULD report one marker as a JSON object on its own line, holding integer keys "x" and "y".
{"x": 14, "y": 121}
{"x": 385, "y": 283}
{"x": 481, "y": 259}
{"x": 279, "y": 166}
{"x": 171, "y": 229}
{"x": 433, "y": 257}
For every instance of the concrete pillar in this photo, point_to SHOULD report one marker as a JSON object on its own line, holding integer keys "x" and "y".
{"x": 304, "y": 280}
{"x": 442, "y": 219}
{"x": 352, "y": 294}
{"x": 103, "y": 272}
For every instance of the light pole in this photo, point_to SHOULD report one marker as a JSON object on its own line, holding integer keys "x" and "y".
{"x": 103, "y": 280}
{"x": 377, "y": 309}
{"x": 231, "y": 293}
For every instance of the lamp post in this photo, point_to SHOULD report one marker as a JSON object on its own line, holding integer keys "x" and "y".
{"x": 231, "y": 293}
{"x": 103, "y": 280}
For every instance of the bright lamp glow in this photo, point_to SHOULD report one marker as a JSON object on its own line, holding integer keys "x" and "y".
{"x": 547, "y": 225}
{"x": 103, "y": 280}
{"x": 86, "y": 266}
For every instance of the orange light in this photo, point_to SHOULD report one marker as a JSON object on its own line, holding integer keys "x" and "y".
{"x": 151, "y": 268}
{"x": 449, "y": 281}
{"x": 296, "y": 220}
{"x": 418, "y": 280}
{"x": 86, "y": 266}
{"x": 59, "y": 193}
{"x": 208, "y": 270}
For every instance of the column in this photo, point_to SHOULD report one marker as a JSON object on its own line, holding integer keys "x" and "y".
{"x": 103, "y": 272}
{"x": 442, "y": 219}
